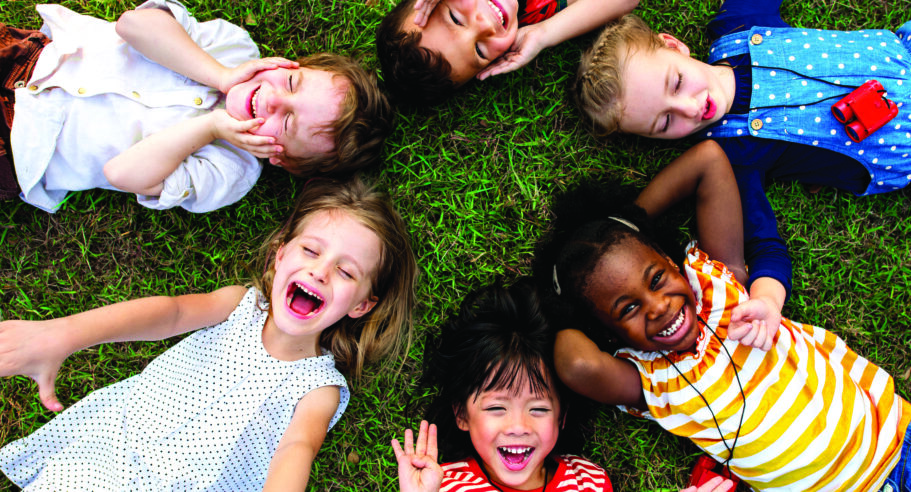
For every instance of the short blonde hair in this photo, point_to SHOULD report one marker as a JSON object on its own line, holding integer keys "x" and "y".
{"x": 355, "y": 342}
{"x": 599, "y": 81}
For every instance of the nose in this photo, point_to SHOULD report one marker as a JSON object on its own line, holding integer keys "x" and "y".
{"x": 319, "y": 270}
{"x": 658, "y": 307}
{"x": 517, "y": 424}
{"x": 276, "y": 101}
{"x": 483, "y": 19}
{"x": 687, "y": 107}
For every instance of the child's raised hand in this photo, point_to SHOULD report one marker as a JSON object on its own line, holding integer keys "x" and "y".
{"x": 755, "y": 323}
{"x": 717, "y": 484}
{"x": 530, "y": 40}
{"x": 239, "y": 134}
{"x": 245, "y": 71}
{"x": 418, "y": 467}
{"x": 423, "y": 9}
{"x": 30, "y": 348}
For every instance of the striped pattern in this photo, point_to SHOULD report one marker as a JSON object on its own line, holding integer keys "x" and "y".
{"x": 817, "y": 415}
{"x": 573, "y": 473}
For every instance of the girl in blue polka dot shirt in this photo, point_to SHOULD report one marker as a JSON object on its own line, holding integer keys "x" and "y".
{"x": 245, "y": 402}
{"x": 764, "y": 96}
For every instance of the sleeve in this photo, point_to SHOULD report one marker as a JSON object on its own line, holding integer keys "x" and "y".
{"x": 227, "y": 43}
{"x": 741, "y": 15}
{"x": 215, "y": 176}
{"x": 765, "y": 252}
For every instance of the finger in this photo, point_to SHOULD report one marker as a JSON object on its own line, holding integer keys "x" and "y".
{"x": 726, "y": 486}
{"x": 409, "y": 442}
{"x": 397, "y": 449}
{"x": 770, "y": 337}
{"x": 432, "y": 450}
{"x": 46, "y": 392}
{"x": 421, "y": 447}
{"x": 750, "y": 335}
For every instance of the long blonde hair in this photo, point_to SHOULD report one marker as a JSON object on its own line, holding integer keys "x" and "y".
{"x": 599, "y": 81}
{"x": 388, "y": 326}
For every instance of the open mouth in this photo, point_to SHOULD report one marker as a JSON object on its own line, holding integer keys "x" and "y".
{"x": 710, "y": 108}
{"x": 675, "y": 325}
{"x": 303, "y": 302}
{"x": 515, "y": 457}
{"x": 253, "y": 98}
{"x": 498, "y": 11}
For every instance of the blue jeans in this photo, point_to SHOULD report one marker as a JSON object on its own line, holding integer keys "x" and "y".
{"x": 900, "y": 478}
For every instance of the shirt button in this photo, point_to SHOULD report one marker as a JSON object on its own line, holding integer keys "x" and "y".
{"x": 20, "y": 84}
{"x": 136, "y": 94}
{"x": 756, "y": 38}
{"x": 756, "y": 124}
{"x": 33, "y": 87}
{"x": 81, "y": 90}
{"x": 186, "y": 194}
{"x": 198, "y": 101}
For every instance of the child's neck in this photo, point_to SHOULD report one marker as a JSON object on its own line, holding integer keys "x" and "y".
{"x": 286, "y": 347}
{"x": 725, "y": 73}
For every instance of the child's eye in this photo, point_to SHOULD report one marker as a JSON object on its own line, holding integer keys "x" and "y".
{"x": 309, "y": 251}
{"x": 494, "y": 409}
{"x": 679, "y": 82}
{"x": 453, "y": 17}
{"x": 286, "y": 123}
{"x": 345, "y": 274}
{"x": 667, "y": 123}
{"x": 290, "y": 85}
{"x": 477, "y": 49}
{"x": 540, "y": 411}
{"x": 656, "y": 279}
{"x": 628, "y": 309}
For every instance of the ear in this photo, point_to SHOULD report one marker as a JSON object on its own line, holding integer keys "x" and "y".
{"x": 364, "y": 307}
{"x": 675, "y": 44}
{"x": 460, "y": 420}
{"x": 669, "y": 260}
{"x": 280, "y": 253}
{"x": 276, "y": 161}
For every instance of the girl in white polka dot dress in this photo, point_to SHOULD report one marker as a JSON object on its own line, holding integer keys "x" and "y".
{"x": 765, "y": 96}
{"x": 243, "y": 404}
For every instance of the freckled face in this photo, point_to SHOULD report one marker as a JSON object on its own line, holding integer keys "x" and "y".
{"x": 643, "y": 298}
{"x": 469, "y": 34}
{"x": 297, "y": 104}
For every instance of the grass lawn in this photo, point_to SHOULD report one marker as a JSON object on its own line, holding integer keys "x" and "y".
{"x": 473, "y": 179}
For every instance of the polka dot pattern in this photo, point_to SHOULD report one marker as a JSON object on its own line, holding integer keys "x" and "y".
{"x": 205, "y": 415}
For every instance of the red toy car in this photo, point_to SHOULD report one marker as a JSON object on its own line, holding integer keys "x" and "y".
{"x": 706, "y": 469}
{"x": 864, "y": 110}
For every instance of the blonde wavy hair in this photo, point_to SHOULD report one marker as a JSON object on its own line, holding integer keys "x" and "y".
{"x": 599, "y": 82}
{"x": 387, "y": 328}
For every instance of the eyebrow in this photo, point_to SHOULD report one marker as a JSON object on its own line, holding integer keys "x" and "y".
{"x": 667, "y": 88}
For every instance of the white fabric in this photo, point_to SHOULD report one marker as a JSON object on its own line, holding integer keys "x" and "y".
{"x": 91, "y": 96}
{"x": 205, "y": 415}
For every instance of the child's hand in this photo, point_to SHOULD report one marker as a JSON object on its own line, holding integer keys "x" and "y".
{"x": 530, "y": 40}
{"x": 239, "y": 134}
{"x": 245, "y": 71}
{"x": 755, "y": 323}
{"x": 717, "y": 484}
{"x": 418, "y": 467}
{"x": 423, "y": 9}
{"x": 29, "y": 348}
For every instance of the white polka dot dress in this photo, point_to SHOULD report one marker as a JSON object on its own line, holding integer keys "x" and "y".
{"x": 205, "y": 415}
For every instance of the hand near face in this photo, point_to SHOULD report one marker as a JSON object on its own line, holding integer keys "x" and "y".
{"x": 423, "y": 8}
{"x": 529, "y": 42}
{"x": 755, "y": 323}
{"x": 238, "y": 133}
{"x": 29, "y": 348}
{"x": 418, "y": 467}
{"x": 245, "y": 71}
{"x": 717, "y": 484}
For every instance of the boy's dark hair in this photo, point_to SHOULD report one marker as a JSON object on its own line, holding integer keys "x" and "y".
{"x": 590, "y": 220}
{"x": 500, "y": 336}
{"x": 358, "y": 134}
{"x": 413, "y": 75}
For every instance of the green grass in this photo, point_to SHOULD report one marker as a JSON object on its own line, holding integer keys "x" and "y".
{"x": 473, "y": 179}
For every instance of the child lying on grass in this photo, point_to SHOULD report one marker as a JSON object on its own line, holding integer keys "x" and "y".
{"x": 171, "y": 109}
{"x": 765, "y": 96}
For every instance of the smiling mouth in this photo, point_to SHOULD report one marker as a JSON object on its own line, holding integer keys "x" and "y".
{"x": 302, "y": 301}
{"x": 253, "y": 99}
{"x": 675, "y": 324}
{"x": 515, "y": 457}
{"x": 498, "y": 11}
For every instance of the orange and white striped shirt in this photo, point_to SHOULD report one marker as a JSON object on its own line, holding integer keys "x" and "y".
{"x": 573, "y": 474}
{"x": 817, "y": 416}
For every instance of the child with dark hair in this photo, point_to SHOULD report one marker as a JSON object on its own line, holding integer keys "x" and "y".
{"x": 786, "y": 406}
{"x": 174, "y": 110}
{"x": 503, "y": 415}
{"x": 430, "y": 48}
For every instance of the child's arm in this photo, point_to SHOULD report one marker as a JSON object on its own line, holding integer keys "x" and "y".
{"x": 755, "y": 322}
{"x": 585, "y": 369}
{"x": 290, "y": 465}
{"x": 37, "y": 349}
{"x": 579, "y": 17}
{"x": 418, "y": 467}
{"x": 703, "y": 171}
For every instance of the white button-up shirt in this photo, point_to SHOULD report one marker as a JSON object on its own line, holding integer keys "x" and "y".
{"x": 91, "y": 96}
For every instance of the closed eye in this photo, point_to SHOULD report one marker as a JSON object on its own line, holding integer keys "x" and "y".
{"x": 667, "y": 123}
{"x": 345, "y": 273}
{"x": 454, "y": 20}
{"x": 477, "y": 49}
{"x": 679, "y": 82}
{"x": 290, "y": 85}
{"x": 309, "y": 251}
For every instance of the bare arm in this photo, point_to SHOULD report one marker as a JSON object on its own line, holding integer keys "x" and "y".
{"x": 585, "y": 369}
{"x": 703, "y": 171}
{"x": 290, "y": 465}
{"x": 756, "y": 321}
{"x": 37, "y": 348}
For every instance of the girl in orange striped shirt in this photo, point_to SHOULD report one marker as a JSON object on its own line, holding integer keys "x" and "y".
{"x": 785, "y": 406}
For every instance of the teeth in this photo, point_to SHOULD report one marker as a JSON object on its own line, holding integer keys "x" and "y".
{"x": 496, "y": 10}
{"x": 516, "y": 449}
{"x": 314, "y": 294}
{"x": 255, "y": 94}
{"x": 674, "y": 327}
